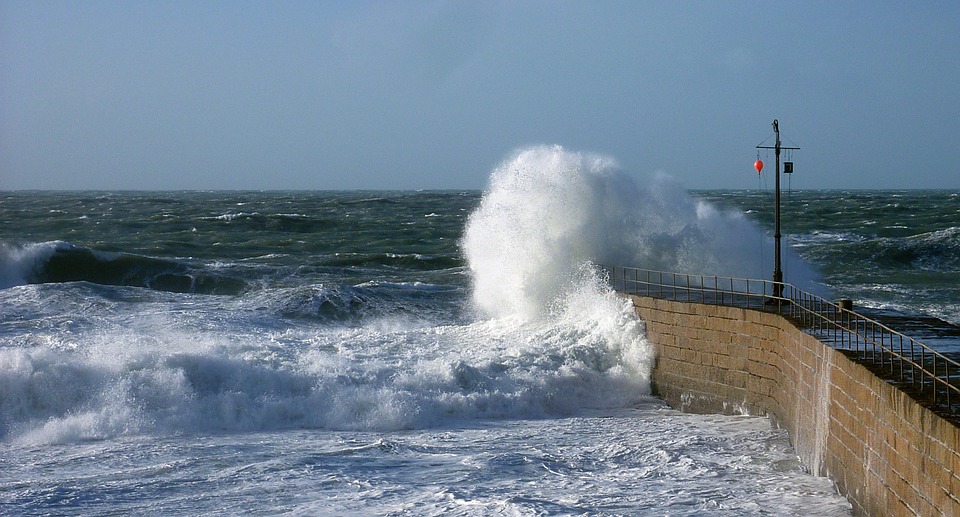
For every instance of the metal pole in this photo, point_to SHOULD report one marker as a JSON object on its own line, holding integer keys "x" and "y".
{"x": 777, "y": 271}
{"x": 777, "y": 291}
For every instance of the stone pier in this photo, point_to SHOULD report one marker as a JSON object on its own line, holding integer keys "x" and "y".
{"x": 886, "y": 453}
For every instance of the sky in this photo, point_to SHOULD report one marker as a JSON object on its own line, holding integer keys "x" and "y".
{"x": 144, "y": 95}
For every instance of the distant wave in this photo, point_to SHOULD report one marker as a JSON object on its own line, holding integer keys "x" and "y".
{"x": 58, "y": 262}
{"x": 280, "y": 223}
{"x": 933, "y": 251}
{"x": 414, "y": 261}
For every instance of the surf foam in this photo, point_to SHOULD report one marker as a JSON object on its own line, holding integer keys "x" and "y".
{"x": 549, "y": 211}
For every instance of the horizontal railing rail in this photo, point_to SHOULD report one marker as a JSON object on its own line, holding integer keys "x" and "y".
{"x": 908, "y": 363}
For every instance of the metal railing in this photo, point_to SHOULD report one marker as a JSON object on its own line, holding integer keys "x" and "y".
{"x": 933, "y": 378}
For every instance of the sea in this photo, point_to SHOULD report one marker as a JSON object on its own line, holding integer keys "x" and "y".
{"x": 410, "y": 353}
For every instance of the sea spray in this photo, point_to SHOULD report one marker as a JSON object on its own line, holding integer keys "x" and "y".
{"x": 550, "y": 216}
{"x": 531, "y": 246}
{"x": 548, "y": 211}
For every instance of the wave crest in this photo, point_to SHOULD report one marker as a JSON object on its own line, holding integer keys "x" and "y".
{"x": 58, "y": 261}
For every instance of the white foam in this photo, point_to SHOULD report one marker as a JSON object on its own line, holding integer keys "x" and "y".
{"x": 18, "y": 262}
{"x": 169, "y": 373}
{"x": 548, "y": 211}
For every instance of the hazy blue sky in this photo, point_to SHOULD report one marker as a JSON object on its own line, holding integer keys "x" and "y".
{"x": 342, "y": 95}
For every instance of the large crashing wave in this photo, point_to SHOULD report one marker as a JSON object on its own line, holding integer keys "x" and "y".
{"x": 546, "y": 215}
{"x": 549, "y": 212}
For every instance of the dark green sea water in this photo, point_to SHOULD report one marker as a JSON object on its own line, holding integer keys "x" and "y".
{"x": 897, "y": 250}
{"x": 249, "y": 236}
{"x": 884, "y": 249}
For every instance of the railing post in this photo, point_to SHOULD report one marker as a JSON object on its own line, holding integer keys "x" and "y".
{"x": 913, "y": 364}
{"x": 933, "y": 385}
{"x": 949, "y": 395}
{"x": 900, "y": 354}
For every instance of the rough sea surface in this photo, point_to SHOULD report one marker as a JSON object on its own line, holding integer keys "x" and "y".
{"x": 425, "y": 353}
{"x": 894, "y": 253}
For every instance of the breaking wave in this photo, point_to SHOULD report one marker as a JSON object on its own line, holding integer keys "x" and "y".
{"x": 548, "y": 212}
{"x": 58, "y": 262}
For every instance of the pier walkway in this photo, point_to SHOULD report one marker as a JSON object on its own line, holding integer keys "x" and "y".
{"x": 929, "y": 375}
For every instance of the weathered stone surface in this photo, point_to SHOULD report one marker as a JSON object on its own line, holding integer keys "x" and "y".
{"x": 887, "y": 454}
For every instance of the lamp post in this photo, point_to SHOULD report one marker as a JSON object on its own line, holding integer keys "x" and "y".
{"x": 777, "y": 271}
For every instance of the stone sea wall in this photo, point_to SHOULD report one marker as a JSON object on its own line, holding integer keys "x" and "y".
{"x": 886, "y": 453}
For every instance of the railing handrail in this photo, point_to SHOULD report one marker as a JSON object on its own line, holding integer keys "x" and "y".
{"x": 814, "y": 314}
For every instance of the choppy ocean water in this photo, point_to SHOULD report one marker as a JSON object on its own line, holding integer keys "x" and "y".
{"x": 406, "y": 352}
{"x": 894, "y": 253}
